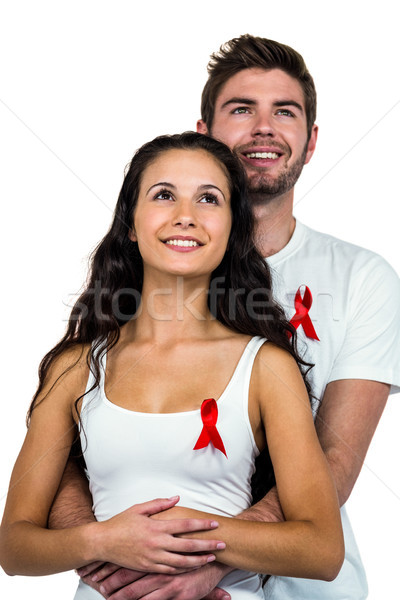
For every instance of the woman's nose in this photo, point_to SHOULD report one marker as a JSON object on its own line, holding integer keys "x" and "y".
{"x": 184, "y": 216}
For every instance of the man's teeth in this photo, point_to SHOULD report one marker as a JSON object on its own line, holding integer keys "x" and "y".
{"x": 273, "y": 155}
{"x": 183, "y": 243}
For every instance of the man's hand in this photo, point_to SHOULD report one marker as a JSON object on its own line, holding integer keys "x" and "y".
{"x": 95, "y": 574}
{"x": 116, "y": 583}
{"x": 267, "y": 510}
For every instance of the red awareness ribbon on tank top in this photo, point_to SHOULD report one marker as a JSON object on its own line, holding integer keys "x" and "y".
{"x": 302, "y": 306}
{"x": 209, "y": 433}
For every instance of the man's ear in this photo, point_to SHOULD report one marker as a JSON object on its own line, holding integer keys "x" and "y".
{"x": 201, "y": 127}
{"x": 132, "y": 235}
{"x": 312, "y": 142}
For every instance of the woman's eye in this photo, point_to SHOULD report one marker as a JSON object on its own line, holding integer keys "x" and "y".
{"x": 209, "y": 199}
{"x": 164, "y": 195}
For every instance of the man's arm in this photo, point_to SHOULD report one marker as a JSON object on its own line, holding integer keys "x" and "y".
{"x": 345, "y": 423}
{"x": 72, "y": 504}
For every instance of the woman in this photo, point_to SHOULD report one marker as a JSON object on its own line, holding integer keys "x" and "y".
{"x": 167, "y": 371}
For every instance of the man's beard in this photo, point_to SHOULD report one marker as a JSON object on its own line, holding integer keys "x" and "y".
{"x": 262, "y": 187}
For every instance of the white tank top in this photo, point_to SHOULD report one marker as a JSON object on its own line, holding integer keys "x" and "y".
{"x": 133, "y": 457}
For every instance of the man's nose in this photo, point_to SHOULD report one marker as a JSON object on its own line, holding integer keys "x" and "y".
{"x": 263, "y": 124}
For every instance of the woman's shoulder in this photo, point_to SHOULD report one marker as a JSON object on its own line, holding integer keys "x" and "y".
{"x": 68, "y": 370}
{"x": 272, "y": 352}
{"x": 275, "y": 366}
{"x": 73, "y": 358}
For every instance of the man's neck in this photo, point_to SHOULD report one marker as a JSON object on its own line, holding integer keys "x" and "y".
{"x": 275, "y": 224}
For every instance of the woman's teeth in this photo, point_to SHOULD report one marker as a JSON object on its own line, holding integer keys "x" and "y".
{"x": 184, "y": 243}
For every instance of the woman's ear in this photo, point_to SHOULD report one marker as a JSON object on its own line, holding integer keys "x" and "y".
{"x": 132, "y": 235}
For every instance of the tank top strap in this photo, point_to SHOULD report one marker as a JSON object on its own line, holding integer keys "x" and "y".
{"x": 245, "y": 367}
{"x": 249, "y": 356}
{"x": 240, "y": 382}
{"x": 89, "y": 395}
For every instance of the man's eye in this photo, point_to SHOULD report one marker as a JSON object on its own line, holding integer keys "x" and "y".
{"x": 285, "y": 112}
{"x": 209, "y": 199}
{"x": 240, "y": 110}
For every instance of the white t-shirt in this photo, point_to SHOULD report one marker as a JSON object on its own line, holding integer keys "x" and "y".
{"x": 355, "y": 313}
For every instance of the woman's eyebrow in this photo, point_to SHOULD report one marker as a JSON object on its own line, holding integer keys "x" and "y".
{"x": 207, "y": 186}
{"x": 166, "y": 183}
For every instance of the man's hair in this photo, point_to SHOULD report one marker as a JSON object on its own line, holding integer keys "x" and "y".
{"x": 247, "y": 52}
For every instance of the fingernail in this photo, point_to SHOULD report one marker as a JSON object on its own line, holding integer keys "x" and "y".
{"x": 221, "y": 545}
{"x": 211, "y": 558}
{"x": 214, "y": 524}
{"x": 102, "y": 589}
{"x": 94, "y": 578}
{"x": 173, "y": 498}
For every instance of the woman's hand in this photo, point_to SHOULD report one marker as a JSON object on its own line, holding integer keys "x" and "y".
{"x": 135, "y": 541}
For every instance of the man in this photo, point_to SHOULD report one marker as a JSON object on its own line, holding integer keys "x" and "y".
{"x": 345, "y": 301}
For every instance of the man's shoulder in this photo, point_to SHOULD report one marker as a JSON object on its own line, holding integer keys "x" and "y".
{"x": 325, "y": 244}
{"x": 327, "y": 240}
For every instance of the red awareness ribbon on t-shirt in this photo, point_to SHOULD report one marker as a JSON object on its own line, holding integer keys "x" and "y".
{"x": 209, "y": 433}
{"x": 302, "y": 306}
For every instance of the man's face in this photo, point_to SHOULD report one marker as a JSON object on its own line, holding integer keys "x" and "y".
{"x": 261, "y": 116}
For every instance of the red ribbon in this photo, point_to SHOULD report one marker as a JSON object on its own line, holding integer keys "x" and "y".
{"x": 209, "y": 433}
{"x": 302, "y": 306}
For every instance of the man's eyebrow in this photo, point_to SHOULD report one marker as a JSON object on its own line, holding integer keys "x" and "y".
{"x": 281, "y": 103}
{"x": 238, "y": 100}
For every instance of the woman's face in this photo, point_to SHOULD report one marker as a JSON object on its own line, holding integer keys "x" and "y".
{"x": 182, "y": 219}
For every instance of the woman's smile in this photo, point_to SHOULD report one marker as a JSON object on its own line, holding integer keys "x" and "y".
{"x": 180, "y": 243}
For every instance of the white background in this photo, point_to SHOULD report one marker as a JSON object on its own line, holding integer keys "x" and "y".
{"x": 84, "y": 83}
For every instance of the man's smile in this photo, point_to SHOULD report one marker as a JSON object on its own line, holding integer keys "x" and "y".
{"x": 260, "y": 156}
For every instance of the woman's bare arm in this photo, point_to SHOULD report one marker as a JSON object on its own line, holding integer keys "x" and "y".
{"x": 131, "y": 538}
{"x": 38, "y": 470}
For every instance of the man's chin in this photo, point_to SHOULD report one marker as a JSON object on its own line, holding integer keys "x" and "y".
{"x": 263, "y": 191}
{"x": 262, "y": 197}
{"x": 263, "y": 188}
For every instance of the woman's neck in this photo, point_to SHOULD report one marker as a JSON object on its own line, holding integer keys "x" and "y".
{"x": 174, "y": 308}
